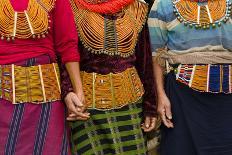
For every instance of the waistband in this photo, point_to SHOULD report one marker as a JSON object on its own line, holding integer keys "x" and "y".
{"x": 194, "y": 57}
{"x": 210, "y": 78}
{"x": 34, "y": 84}
{"x": 112, "y": 91}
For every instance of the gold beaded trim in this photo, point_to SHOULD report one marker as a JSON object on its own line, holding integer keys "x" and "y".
{"x": 202, "y": 15}
{"x": 103, "y": 35}
{"x": 33, "y": 22}
{"x": 112, "y": 91}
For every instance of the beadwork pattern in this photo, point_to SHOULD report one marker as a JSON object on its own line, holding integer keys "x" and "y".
{"x": 34, "y": 84}
{"x": 204, "y": 14}
{"x": 206, "y": 78}
{"x": 111, "y": 34}
{"x": 33, "y": 22}
{"x": 112, "y": 91}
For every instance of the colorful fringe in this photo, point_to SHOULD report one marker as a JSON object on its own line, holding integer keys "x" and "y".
{"x": 110, "y": 132}
{"x": 206, "y": 78}
{"x": 29, "y": 129}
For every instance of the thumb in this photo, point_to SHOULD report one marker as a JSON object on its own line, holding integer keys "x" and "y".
{"x": 147, "y": 122}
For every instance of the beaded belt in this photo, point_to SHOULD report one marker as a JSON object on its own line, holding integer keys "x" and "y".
{"x": 206, "y": 78}
{"x": 111, "y": 91}
{"x": 34, "y": 84}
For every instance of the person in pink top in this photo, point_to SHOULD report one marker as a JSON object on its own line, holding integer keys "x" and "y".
{"x": 32, "y": 34}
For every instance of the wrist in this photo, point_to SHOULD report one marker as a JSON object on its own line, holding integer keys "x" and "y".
{"x": 161, "y": 93}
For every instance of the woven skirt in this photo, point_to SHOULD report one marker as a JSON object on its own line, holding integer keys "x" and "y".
{"x": 33, "y": 129}
{"x": 29, "y": 129}
{"x": 202, "y": 122}
{"x": 110, "y": 132}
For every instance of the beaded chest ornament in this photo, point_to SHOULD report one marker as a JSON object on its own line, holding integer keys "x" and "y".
{"x": 202, "y": 14}
{"x": 32, "y": 22}
{"x": 114, "y": 35}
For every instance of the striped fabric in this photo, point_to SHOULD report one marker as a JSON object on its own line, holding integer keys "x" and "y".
{"x": 33, "y": 129}
{"x": 110, "y": 132}
{"x": 28, "y": 129}
{"x": 167, "y": 31}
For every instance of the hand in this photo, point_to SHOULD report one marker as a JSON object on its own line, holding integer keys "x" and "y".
{"x": 164, "y": 110}
{"x": 75, "y": 107}
{"x": 149, "y": 124}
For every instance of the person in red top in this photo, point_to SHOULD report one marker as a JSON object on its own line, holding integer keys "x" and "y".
{"x": 33, "y": 33}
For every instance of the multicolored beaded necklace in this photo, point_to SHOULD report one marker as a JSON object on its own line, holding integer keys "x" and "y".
{"x": 202, "y": 14}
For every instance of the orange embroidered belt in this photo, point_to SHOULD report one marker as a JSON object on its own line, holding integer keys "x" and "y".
{"x": 34, "y": 84}
{"x": 206, "y": 78}
{"x": 112, "y": 91}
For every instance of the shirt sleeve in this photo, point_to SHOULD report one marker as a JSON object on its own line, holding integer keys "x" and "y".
{"x": 157, "y": 23}
{"x": 145, "y": 71}
{"x": 65, "y": 34}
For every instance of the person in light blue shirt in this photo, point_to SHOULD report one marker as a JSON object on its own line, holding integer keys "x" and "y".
{"x": 192, "y": 41}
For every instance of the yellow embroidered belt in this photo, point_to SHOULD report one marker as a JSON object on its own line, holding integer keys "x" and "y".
{"x": 34, "y": 84}
{"x": 111, "y": 91}
{"x": 206, "y": 78}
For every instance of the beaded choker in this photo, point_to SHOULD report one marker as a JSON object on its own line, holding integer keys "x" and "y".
{"x": 202, "y": 14}
{"x": 33, "y": 22}
{"x": 103, "y": 6}
{"x": 111, "y": 34}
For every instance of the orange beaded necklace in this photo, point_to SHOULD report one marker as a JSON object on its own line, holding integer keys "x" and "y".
{"x": 33, "y": 22}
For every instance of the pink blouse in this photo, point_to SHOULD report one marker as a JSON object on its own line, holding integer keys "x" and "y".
{"x": 62, "y": 38}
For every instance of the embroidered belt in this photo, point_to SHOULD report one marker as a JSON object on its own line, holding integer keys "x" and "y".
{"x": 34, "y": 84}
{"x": 206, "y": 78}
{"x": 111, "y": 91}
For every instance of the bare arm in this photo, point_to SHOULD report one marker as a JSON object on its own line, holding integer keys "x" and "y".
{"x": 73, "y": 69}
{"x": 75, "y": 100}
{"x": 164, "y": 106}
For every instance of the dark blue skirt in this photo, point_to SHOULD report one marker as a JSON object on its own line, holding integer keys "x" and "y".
{"x": 202, "y": 122}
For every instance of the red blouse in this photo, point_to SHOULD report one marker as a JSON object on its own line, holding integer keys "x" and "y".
{"x": 62, "y": 38}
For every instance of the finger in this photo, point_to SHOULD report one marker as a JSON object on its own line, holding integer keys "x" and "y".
{"x": 76, "y": 118}
{"x": 81, "y": 118}
{"x": 82, "y": 109}
{"x": 170, "y": 123}
{"x": 147, "y": 122}
{"x": 76, "y": 101}
{"x": 168, "y": 112}
{"x": 71, "y": 119}
{"x": 84, "y": 115}
{"x": 71, "y": 107}
{"x": 72, "y": 115}
{"x": 164, "y": 119}
{"x": 151, "y": 125}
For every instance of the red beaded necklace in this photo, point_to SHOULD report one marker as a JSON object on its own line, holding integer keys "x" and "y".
{"x": 109, "y": 7}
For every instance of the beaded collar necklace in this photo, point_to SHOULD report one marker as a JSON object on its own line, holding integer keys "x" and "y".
{"x": 32, "y": 22}
{"x": 202, "y": 14}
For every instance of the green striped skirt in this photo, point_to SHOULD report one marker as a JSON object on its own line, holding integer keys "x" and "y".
{"x": 115, "y": 131}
